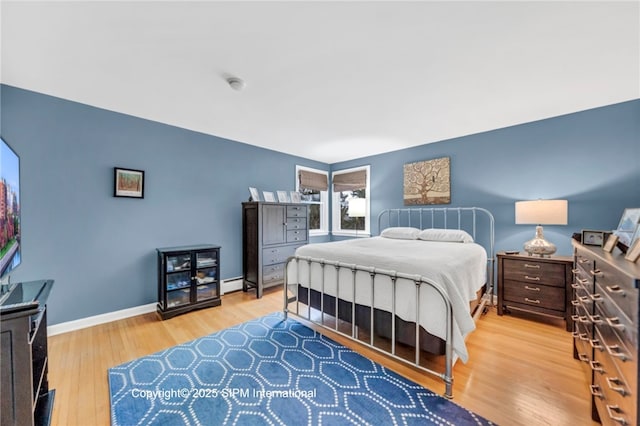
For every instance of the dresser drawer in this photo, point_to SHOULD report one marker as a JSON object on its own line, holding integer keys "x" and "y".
{"x": 619, "y": 287}
{"x": 296, "y": 223}
{"x": 534, "y": 272}
{"x": 535, "y": 295}
{"x": 275, "y": 255}
{"x": 617, "y": 387}
{"x": 296, "y": 236}
{"x": 585, "y": 262}
{"x": 613, "y": 408}
{"x": 296, "y": 211}
{"x": 273, "y": 273}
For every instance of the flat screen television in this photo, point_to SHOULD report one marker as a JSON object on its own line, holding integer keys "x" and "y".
{"x": 10, "y": 225}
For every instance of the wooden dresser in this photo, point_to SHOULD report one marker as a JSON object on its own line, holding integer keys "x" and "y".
{"x": 540, "y": 285}
{"x": 605, "y": 336}
{"x": 271, "y": 232}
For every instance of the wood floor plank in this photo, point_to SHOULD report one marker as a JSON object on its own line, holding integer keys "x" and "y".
{"x": 520, "y": 372}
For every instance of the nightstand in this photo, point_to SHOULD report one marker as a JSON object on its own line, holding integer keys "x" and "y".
{"x": 540, "y": 285}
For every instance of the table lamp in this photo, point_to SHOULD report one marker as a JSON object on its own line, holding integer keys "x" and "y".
{"x": 357, "y": 208}
{"x": 541, "y": 212}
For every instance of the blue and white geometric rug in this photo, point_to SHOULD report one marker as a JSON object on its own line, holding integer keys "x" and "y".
{"x": 271, "y": 372}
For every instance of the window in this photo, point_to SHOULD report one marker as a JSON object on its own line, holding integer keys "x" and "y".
{"x": 314, "y": 186}
{"x": 351, "y": 217}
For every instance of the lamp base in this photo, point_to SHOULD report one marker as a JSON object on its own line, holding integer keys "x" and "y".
{"x": 539, "y": 246}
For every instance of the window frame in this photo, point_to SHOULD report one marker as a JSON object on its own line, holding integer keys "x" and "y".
{"x": 336, "y": 227}
{"x": 324, "y": 202}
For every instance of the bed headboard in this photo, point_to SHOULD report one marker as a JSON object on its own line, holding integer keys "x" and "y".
{"x": 478, "y": 222}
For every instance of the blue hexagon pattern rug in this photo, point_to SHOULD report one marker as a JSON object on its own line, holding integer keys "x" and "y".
{"x": 271, "y": 371}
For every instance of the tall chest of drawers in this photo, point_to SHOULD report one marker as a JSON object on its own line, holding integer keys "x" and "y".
{"x": 605, "y": 335}
{"x": 271, "y": 232}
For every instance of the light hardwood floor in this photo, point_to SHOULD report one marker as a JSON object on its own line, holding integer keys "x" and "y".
{"x": 520, "y": 372}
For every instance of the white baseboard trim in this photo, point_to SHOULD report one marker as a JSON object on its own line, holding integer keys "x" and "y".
{"x": 227, "y": 286}
{"x": 78, "y": 324}
{"x": 230, "y": 285}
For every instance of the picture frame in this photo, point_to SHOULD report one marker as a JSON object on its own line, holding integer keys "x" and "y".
{"x": 592, "y": 237}
{"x": 268, "y": 196}
{"x": 255, "y": 195}
{"x": 128, "y": 183}
{"x": 283, "y": 197}
{"x": 634, "y": 252}
{"x": 636, "y": 236}
{"x": 296, "y": 197}
{"x": 427, "y": 182}
{"x": 627, "y": 226}
{"x": 611, "y": 243}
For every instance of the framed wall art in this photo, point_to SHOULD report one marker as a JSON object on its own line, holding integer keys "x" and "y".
{"x": 128, "y": 183}
{"x": 427, "y": 182}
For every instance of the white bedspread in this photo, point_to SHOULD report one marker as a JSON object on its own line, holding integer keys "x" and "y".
{"x": 459, "y": 269}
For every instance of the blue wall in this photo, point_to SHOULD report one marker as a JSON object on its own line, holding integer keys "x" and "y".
{"x": 590, "y": 158}
{"x": 100, "y": 249}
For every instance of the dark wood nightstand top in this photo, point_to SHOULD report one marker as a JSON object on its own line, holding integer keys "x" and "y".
{"x": 526, "y": 256}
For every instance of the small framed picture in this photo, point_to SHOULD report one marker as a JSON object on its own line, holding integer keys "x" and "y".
{"x": 255, "y": 195}
{"x": 295, "y": 197}
{"x": 634, "y": 252}
{"x": 268, "y": 196}
{"x": 594, "y": 238}
{"x": 611, "y": 243}
{"x": 283, "y": 197}
{"x": 128, "y": 183}
{"x": 628, "y": 223}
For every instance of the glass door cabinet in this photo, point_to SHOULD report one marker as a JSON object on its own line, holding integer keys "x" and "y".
{"x": 188, "y": 279}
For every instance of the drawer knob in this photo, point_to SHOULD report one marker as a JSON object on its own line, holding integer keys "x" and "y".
{"x": 536, "y": 301}
{"x": 530, "y": 266}
{"x": 615, "y": 290}
{"x": 582, "y": 281}
{"x": 596, "y": 272}
{"x": 614, "y": 350}
{"x": 596, "y": 366}
{"x": 611, "y": 409}
{"x": 615, "y": 323}
{"x": 532, "y": 288}
{"x": 595, "y": 391}
{"x": 596, "y": 297}
{"x": 595, "y": 319}
{"x": 527, "y": 277}
{"x": 616, "y": 385}
{"x": 595, "y": 344}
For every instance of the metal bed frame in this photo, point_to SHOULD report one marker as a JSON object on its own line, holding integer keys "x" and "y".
{"x": 417, "y": 217}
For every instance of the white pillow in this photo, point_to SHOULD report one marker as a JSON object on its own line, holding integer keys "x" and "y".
{"x": 448, "y": 235}
{"x": 401, "y": 233}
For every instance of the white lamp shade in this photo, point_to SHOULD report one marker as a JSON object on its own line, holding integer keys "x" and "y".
{"x": 357, "y": 207}
{"x": 542, "y": 212}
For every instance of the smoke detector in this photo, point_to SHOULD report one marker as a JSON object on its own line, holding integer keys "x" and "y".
{"x": 236, "y": 83}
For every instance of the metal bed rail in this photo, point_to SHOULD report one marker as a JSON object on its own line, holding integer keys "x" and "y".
{"x": 419, "y": 281}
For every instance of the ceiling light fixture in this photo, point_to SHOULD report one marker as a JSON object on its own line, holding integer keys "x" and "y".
{"x": 236, "y": 83}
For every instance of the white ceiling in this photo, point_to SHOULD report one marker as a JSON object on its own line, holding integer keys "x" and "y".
{"x": 329, "y": 81}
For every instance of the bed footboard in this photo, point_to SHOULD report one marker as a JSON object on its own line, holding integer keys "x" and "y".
{"x": 330, "y": 313}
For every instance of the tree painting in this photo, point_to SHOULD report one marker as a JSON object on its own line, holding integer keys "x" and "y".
{"x": 427, "y": 182}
